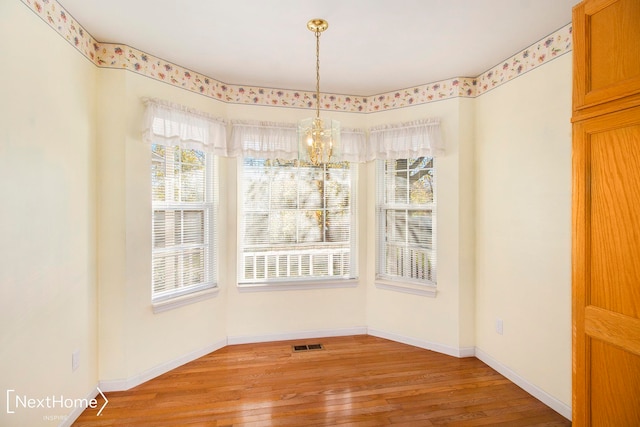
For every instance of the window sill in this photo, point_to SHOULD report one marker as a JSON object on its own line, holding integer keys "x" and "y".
{"x": 182, "y": 300}
{"x": 297, "y": 286}
{"x": 407, "y": 288}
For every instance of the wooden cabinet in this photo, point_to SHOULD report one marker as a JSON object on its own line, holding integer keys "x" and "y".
{"x": 606, "y": 51}
{"x": 606, "y": 270}
{"x": 606, "y": 213}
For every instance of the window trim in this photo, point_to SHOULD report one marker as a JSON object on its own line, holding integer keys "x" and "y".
{"x": 298, "y": 285}
{"x": 428, "y": 290}
{"x": 185, "y": 299}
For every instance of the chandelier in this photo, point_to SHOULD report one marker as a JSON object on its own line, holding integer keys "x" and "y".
{"x": 318, "y": 139}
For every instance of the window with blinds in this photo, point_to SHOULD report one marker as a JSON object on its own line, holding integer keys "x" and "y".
{"x": 406, "y": 220}
{"x": 183, "y": 221}
{"x": 298, "y": 221}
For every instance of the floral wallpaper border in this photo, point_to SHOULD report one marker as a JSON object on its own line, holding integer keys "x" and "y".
{"x": 109, "y": 55}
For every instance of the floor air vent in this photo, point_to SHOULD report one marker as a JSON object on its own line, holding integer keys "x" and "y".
{"x": 307, "y": 347}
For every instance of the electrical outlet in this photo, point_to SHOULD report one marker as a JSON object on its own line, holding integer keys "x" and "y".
{"x": 499, "y": 326}
{"x": 75, "y": 360}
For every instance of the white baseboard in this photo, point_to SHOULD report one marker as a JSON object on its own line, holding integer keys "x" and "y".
{"x": 558, "y": 406}
{"x": 440, "y": 348}
{"x": 126, "y": 384}
{"x": 73, "y": 416}
{"x": 320, "y": 333}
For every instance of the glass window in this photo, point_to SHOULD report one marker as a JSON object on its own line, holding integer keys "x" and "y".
{"x": 406, "y": 220}
{"x": 297, "y": 221}
{"x": 183, "y": 221}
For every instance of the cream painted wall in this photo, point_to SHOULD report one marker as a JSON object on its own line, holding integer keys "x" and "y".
{"x": 134, "y": 340}
{"x": 47, "y": 218}
{"x": 446, "y": 321}
{"x": 523, "y": 226}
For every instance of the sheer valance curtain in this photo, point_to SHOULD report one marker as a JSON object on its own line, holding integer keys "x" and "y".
{"x": 268, "y": 140}
{"x": 263, "y": 140}
{"x": 407, "y": 140}
{"x": 170, "y": 124}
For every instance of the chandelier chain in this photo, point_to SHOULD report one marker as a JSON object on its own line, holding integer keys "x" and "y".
{"x": 318, "y": 74}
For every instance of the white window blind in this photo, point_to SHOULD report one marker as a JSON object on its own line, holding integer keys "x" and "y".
{"x": 406, "y": 220}
{"x": 298, "y": 221}
{"x": 183, "y": 221}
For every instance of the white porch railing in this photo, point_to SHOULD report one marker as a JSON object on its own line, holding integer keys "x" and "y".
{"x": 274, "y": 264}
{"x": 412, "y": 262}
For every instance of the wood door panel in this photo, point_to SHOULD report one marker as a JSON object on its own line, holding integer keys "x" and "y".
{"x": 615, "y": 386}
{"x": 606, "y": 269}
{"x": 615, "y": 218}
{"x": 617, "y": 329}
{"x": 606, "y": 51}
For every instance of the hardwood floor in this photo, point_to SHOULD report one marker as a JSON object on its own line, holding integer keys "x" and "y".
{"x": 357, "y": 380}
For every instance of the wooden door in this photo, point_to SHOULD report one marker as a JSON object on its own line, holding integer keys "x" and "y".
{"x": 606, "y": 270}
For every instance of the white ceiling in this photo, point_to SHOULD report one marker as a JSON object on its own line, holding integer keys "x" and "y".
{"x": 371, "y": 46}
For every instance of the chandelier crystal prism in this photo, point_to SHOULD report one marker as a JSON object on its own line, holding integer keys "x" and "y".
{"x": 318, "y": 139}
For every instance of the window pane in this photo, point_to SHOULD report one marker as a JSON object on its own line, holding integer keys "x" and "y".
{"x": 256, "y": 189}
{"x": 282, "y": 227}
{"x": 159, "y": 230}
{"x": 310, "y": 226}
{"x": 284, "y": 189}
{"x": 419, "y": 229}
{"x": 338, "y": 226}
{"x": 321, "y": 264}
{"x": 296, "y": 220}
{"x": 193, "y": 227}
{"x": 399, "y": 164}
{"x": 310, "y": 187}
{"x": 255, "y": 228}
{"x": 192, "y": 157}
{"x": 158, "y": 165}
{"x": 165, "y": 272}
{"x": 397, "y": 226}
{"x": 395, "y": 256}
{"x": 192, "y": 265}
{"x": 192, "y": 183}
{"x": 337, "y": 189}
{"x": 421, "y": 186}
{"x": 398, "y": 187}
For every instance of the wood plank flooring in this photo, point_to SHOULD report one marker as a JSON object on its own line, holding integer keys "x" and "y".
{"x": 357, "y": 380}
